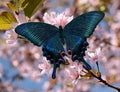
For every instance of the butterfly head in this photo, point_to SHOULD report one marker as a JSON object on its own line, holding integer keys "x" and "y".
{"x": 60, "y": 28}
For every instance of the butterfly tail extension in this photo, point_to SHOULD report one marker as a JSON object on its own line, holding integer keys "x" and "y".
{"x": 86, "y": 64}
{"x": 54, "y": 71}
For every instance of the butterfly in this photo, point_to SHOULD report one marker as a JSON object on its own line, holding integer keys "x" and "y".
{"x": 53, "y": 39}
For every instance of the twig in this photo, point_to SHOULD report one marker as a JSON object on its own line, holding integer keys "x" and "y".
{"x": 101, "y": 80}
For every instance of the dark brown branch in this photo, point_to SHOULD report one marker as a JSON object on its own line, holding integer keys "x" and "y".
{"x": 101, "y": 80}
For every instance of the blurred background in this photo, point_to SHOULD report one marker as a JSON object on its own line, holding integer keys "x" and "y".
{"x": 19, "y": 71}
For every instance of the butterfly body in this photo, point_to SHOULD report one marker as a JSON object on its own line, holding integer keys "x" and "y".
{"x": 61, "y": 35}
{"x": 74, "y": 35}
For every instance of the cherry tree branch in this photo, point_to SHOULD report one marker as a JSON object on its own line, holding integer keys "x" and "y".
{"x": 102, "y": 80}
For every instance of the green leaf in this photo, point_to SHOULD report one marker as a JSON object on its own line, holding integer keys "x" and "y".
{"x": 15, "y": 4}
{"x": 31, "y": 6}
{"x": 12, "y": 7}
{"x": 87, "y": 76}
{"x": 6, "y": 20}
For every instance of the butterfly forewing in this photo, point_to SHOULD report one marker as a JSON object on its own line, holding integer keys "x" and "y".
{"x": 36, "y": 32}
{"x": 84, "y": 24}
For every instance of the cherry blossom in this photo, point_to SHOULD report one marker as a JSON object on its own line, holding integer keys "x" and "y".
{"x": 73, "y": 72}
{"x": 10, "y": 35}
{"x": 57, "y": 19}
{"x": 95, "y": 56}
{"x": 45, "y": 67}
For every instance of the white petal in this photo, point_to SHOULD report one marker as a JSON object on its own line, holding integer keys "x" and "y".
{"x": 91, "y": 54}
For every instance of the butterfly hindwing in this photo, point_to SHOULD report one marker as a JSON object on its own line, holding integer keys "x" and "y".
{"x": 36, "y": 32}
{"x": 54, "y": 45}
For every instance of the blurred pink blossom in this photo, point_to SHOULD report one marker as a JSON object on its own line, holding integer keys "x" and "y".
{"x": 95, "y": 56}
{"x": 57, "y": 19}
{"x": 92, "y": 2}
{"x": 45, "y": 67}
{"x": 73, "y": 72}
{"x": 11, "y": 37}
{"x": 83, "y": 86}
{"x": 82, "y": 1}
{"x": 25, "y": 59}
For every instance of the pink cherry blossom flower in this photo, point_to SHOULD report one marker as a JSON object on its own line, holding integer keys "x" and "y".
{"x": 73, "y": 72}
{"x": 95, "y": 56}
{"x": 57, "y": 19}
{"x": 11, "y": 37}
{"x": 45, "y": 67}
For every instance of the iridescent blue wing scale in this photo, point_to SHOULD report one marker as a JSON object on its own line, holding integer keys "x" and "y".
{"x": 36, "y": 32}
